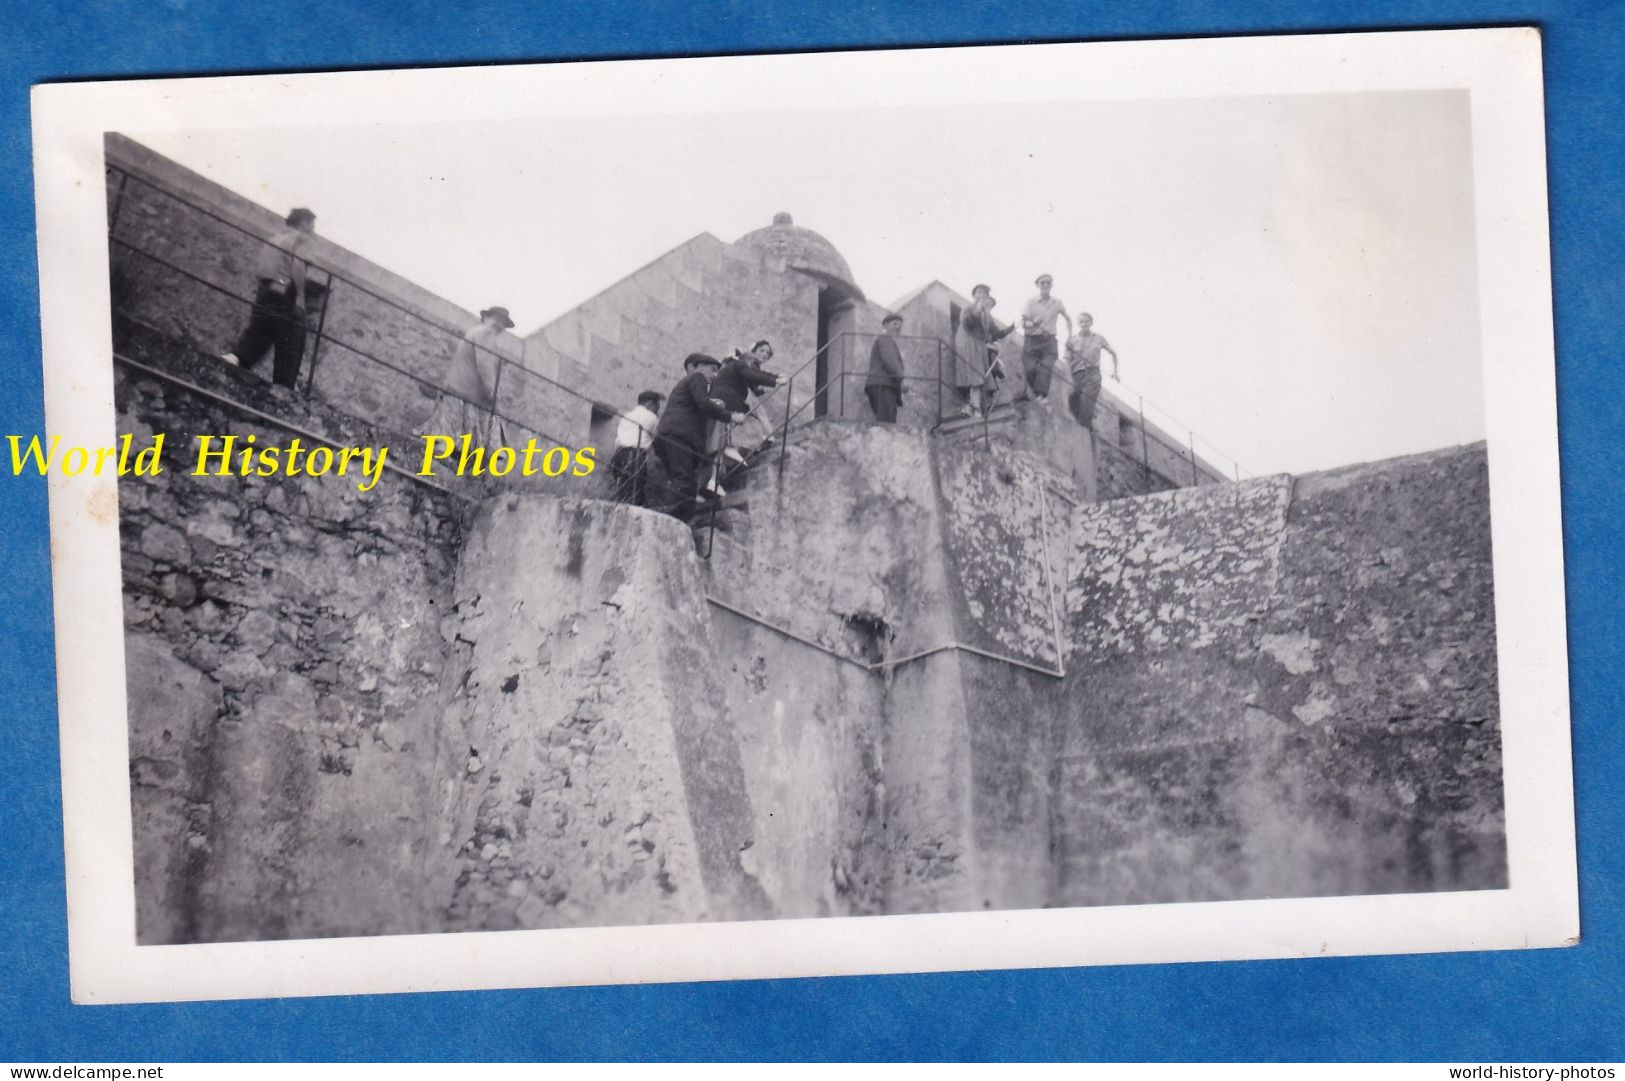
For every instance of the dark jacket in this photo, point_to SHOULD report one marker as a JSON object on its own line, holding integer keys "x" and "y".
{"x": 735, "y": 381}
{"x": 688, "y": 409}
{"x": 885, "y": 365}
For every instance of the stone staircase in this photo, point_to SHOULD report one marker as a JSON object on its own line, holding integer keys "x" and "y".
{"x": 999, "y": 423}
{"x": 730, "y": 515}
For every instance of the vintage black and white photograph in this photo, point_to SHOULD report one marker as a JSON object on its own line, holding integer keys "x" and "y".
{"x": 782, "y": 494}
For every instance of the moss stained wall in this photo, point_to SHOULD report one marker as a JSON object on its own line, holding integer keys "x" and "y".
{"x": 1007, "y": 556}
{"x": 845, "y": 544}
{"x": 1285, "y": 689}
{"x": 811, "y": 732}
{"x": 914, "y": 788}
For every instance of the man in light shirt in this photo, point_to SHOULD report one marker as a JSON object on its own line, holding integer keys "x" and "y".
{"x": 633, "y": 436}
{"x": 1042, "y": 349}
{"x": 1083, "y": 351}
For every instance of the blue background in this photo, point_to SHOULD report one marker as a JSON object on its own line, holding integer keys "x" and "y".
{"x": 1529, "y": 1005}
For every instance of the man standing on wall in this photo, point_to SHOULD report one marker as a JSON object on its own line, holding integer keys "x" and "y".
{"x": 680, "y": 435}
{"x": 884, "y": 388}
{"x": 631, "y": 458}
{"x": 1041, "y": 351}
{"x": 1083, "y": 351}
{"x": 466, "y": 403}
{"x": 277, "y": 321}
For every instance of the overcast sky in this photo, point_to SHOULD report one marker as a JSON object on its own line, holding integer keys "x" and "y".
{"x": 1293, "y": 277}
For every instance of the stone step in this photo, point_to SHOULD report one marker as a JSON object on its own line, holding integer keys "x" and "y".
{"x": 733, "y": 523}
{"x": 1001, "y": 417}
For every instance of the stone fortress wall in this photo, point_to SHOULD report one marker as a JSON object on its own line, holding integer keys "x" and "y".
{"x": 937, "y": 672}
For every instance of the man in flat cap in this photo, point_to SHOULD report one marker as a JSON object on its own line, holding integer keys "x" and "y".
{"x": 1042, "y": 349}
{"x": 277, "y": 321}
{"x": 680, "y": 437}
{"x": 884, "y": 387}
{"x": 466, "y": 404}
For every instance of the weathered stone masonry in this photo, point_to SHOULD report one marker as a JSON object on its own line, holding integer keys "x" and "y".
{"x": 407, "y": 711}
{"x": 284, "y": 657}
{"x": 1288, "y": 689}
{"x": 934, "y": 672}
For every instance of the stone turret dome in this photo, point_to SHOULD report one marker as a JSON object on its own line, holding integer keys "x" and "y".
{"x": 803, "y": 250}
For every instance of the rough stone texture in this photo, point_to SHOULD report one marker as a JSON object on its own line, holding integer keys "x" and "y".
{"x": 811, "y": 733}
{"x": 1323, "y": 721}
{"x": 282, "y": 662}
{"x": 845, "y": 543}
{"x": 170, "y": 727}
{"x": 801, "y": 249}
{"x": 592, "y": 772}
{"x": 930, "y": 805}
{"x": 880, "y": 544}
{"x": 1274, "y": 688}
{"x": 1175, "y": 570}
{"x": 1009, "y": 570}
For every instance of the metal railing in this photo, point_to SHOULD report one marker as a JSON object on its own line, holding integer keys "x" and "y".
{"x": 952, "y": 377}
{"x": 513, "y": 383}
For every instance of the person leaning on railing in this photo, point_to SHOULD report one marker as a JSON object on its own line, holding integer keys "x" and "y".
{"x": 741, "y": 378}
{"x": 277, "y": 321}
{"x": 466, "y": 405}
{"x": 629, "y": 465}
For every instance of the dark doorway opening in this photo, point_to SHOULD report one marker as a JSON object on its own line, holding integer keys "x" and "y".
{"x": 822, "y": 367}
{"x": 601, "y": 425}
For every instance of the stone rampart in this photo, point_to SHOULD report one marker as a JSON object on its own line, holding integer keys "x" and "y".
{"x": 929, "y": 675}
{"x": 283, "y": 661}
{"x": 1284, "y": 688}
{"x": 591, "y": 768}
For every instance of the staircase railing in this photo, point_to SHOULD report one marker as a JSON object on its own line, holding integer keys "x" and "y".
{"x": 509, "y": 389}
{"x": 510, "y": 377}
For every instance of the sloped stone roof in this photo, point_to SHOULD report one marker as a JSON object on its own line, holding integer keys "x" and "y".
{"x": 804, "y": 250}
